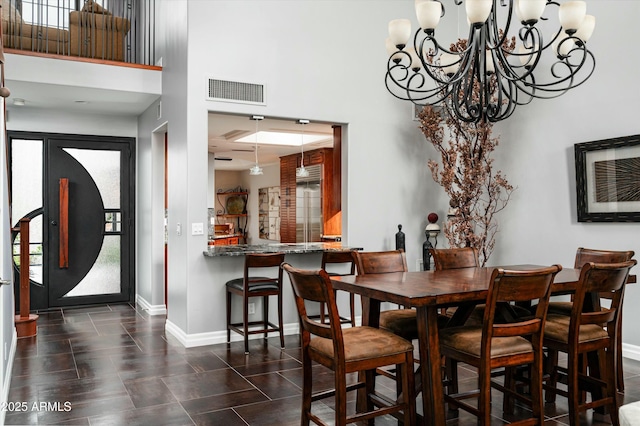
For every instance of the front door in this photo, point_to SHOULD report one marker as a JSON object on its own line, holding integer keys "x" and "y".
{"x": 81, "y": 232}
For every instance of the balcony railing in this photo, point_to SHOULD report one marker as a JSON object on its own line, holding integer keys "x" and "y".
{"x": 111, "y": 30}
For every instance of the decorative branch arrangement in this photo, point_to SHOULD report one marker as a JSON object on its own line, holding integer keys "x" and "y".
{"x": 476, "y": 192}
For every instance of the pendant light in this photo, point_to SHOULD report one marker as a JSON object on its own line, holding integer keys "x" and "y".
{"x": 256, "y": 170}
{"x": 301, "y": 171}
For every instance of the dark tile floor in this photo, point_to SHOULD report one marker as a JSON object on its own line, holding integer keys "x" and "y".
{"x": 114, "y": 365}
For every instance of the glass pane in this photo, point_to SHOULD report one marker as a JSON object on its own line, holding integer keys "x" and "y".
{"x": 26, "y": 177}
{"x": 35, "y": 250}
{"x": 104, "y": 276}
{"x": 104, "y": 168}
{"x": 112, "y": 222}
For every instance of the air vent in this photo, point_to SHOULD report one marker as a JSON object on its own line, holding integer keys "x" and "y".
{"x": 235, "y": 91}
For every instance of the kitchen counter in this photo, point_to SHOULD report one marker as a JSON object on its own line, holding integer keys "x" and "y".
{"x": 287, "y": 248}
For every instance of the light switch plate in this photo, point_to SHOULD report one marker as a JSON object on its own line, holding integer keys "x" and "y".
{"x": 197, "y": 229}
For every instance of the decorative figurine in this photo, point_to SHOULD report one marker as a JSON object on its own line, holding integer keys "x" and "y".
{"x": 400, "y": 239}
{"x": 431, "y": 231}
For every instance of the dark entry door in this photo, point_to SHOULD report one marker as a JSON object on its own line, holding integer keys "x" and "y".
{"x": 87, "y": 221}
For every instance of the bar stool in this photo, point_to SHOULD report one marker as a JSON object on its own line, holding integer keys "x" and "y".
{"x": 340, "y": 258}
{"x": 257, "y": 286}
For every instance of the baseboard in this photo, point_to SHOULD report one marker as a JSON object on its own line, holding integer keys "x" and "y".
{"x": 215, "y": 337}
{"x": 631, "y": 351}
{"x": 151, "y": 309}
{"x": 7, "y": 377}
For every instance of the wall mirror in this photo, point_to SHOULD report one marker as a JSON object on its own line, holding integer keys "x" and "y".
{"x": 269, "y": 213}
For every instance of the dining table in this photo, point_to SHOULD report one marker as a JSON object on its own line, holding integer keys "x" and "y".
{"x": 429, "y": 292}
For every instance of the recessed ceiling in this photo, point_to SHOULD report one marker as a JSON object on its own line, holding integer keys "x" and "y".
{"x": 225, "y": 129}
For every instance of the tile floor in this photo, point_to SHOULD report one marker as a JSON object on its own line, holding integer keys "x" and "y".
{"x": 114, "y": 365}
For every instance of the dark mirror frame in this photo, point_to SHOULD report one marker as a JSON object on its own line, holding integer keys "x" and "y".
{"x": 629, "y": 175}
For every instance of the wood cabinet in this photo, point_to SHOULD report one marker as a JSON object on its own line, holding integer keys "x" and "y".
{"x": 229, "y": 241}
{"x": 331, "y": 209}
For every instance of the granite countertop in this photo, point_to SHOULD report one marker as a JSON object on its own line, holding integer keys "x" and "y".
{"x": 287, "y": 248}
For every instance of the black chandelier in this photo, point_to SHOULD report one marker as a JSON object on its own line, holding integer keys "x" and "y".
{"x": 491, "y": 72}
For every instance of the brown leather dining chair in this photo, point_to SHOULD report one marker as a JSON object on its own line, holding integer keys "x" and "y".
{"x": 345, "y": 351}
{"x": 493, "y": 345}
{"x": 588, "y": 332}
{"x": 252, "y": 285}
{"x": 331, "y": 260}
{"x": 583, "y": 256}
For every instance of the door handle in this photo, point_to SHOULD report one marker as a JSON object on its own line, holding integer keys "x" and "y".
{"x": 5, "y": 282}
{"x": 63, "y": 246}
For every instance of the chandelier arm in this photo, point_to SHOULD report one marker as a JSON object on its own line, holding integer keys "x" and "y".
{"x": 414, "y": 95}
{"x": 430, "y": 66}
{"x": 553, "y": 88}
{"x": 492, "y": 24}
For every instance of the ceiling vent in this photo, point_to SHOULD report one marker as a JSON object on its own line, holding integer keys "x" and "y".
{"x": 236, "y": 91}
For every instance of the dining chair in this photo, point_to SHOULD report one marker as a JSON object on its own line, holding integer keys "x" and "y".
{"x": 359, "y": 349}
{"x": 583, "y": 256}
{"x": 591, "y": 332}
{"x": 331, "y": 260}
{"x": 493, "y": 345}
{"x": 455, "y": 258}
{"x": 399, "y": 321}
{"x": 252, "y": 285}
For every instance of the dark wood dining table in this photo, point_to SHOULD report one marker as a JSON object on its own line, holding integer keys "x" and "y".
{"x": 428, "y": 292}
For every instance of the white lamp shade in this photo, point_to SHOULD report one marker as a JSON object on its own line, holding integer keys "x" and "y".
{"x": 586, "y": 28}
{"x": 527, "y": 57}
{"x": 400, "y": 31}
{"x": 428, "y": 13}
{"x": 491, "y": 66}
{"x": 530, "y": 11}
{"x": 563, "y": 45}
{"x": 449, "y": 63}
{"x": 572, "y": 14}
{"x": 478, "y": 10}
{"x": 415, "y": 60}
{"x": 392, "y": 50}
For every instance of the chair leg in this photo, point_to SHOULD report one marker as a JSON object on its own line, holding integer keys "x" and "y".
{"x": 265, "y": 315}
{"x": 307, "y": 383}
{"x": 451, "y": 371}
{"x": 408, "y": 385}
{"x": 245, "y": 324}
{"x": 619, "y": 367}
{"x": 573, "y": 389}
{"x": 612, "y": 386}
{"x": 352, "y": 305}
{"x": 341, "y": 397}
{"x": 509, "y": 383}
{"x": 322, "y": 312}
{"x": 535, "y": 389}
{"x": 228, "y": 317}
{"x": 484, "y": 399}
{"x": 552, "y": 382}
{"x": 281, "y": 331}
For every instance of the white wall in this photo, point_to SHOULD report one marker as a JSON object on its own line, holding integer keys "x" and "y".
{"x": 325, "y": 60}
{"x": 150, "y": 212}
{"x": 536, "y": 153}
{"x": 298, "y": 50}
